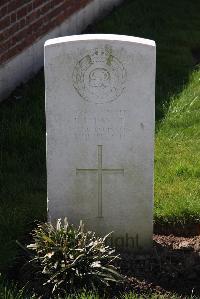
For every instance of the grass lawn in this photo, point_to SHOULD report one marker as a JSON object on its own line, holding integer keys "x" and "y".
{"x": 175, "y": 26}
{"x": 23, "y": 169}
{"x": 11, "y": 292}
{"x": 177, "y": 158}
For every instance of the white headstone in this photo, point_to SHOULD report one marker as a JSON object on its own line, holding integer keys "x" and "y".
{"x": 100, "y": 134}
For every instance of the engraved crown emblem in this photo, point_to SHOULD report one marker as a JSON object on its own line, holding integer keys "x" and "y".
{"x": 99, "y": 76}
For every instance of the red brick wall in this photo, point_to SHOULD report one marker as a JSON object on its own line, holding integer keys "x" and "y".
{"x": 24, "y": 21}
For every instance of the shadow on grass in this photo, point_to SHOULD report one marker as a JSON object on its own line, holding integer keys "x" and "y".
{"x": 23, "y": 167}
{"x": 175, "y": 26}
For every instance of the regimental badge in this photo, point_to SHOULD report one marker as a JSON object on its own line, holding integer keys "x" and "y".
{"x": 99, "y": 77}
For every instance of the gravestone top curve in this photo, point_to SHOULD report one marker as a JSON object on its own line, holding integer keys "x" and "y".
{"x": 93, "y": 37}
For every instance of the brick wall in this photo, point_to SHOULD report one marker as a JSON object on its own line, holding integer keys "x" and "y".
{"x": 22, "y": 22}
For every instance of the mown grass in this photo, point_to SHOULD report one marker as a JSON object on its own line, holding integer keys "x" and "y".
{"x": 23, "y": 170}
{"x": 177, "y": 158}
{"x": 13, "y": 292}
{"x": 175, "y": 26}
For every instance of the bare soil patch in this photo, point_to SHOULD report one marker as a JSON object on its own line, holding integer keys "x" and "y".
{"x": 173, "y": 266}
{"x": 185, "y": 230}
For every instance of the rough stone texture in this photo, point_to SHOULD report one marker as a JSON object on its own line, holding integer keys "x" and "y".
{"x": 100, "y": 134}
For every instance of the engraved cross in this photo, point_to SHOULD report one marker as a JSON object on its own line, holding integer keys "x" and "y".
{"x": 99, "y": 171}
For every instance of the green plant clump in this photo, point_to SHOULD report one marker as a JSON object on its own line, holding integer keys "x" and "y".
{"x": 67, "y": 258}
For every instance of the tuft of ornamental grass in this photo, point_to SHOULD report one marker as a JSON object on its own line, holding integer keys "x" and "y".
{"x": 65, "y": 258}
